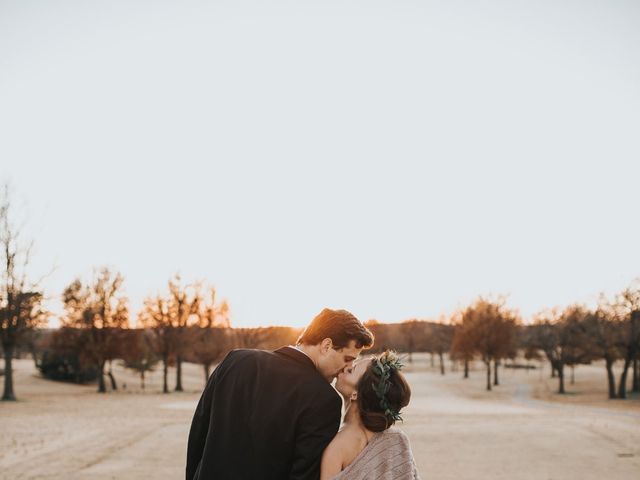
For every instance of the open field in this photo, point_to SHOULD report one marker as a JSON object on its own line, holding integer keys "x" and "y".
{"x": 457, "y": 429}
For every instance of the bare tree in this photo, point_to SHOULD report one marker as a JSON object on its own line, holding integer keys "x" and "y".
{"x": 212, "y": 314}
{"x": 66, "y": 356}
{"x": 207, "y": 346}
{"x": 604, "y": 335}
{"x": 388, "y": 336}
{"x": 209, "y": 341}
{"x": 627, "y": 305}
{"x": 184, "y": 305}
{"x": 99, "y": 310}
{"x": 563, "y": 337}
{"x": 138, "y": 353}
{"x": 21, "y": 308}
{"x": 413, "y": 331}
{"x": 462, "y": 345}
{"x": 155, "y": 315}
{"x": 441, "y": 336}
{"x": 492, "y": 329}
{"x": 526, "y": 343}
{"x": 250, "y": 337}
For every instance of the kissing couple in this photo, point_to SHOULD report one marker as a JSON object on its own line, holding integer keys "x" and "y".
{"x": 276, "y": 415}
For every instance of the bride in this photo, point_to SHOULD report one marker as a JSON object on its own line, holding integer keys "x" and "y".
{"x": 368, "y": 446}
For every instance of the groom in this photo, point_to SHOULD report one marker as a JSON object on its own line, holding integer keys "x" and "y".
{"x": 269, "y": 415}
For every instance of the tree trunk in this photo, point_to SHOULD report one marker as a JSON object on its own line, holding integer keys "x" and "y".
{"x": 466, "y": 368}
{"x": 165, "y": 374}
{"x": 142, "y": 380}
{"x": 102, "y": 387}
{"x": 622, "y": 386}
{"x": 495, "y": 372}
{"x": 488, "y": 363}
{"x": 560, "y": 370}
{"x": 179, "y": 374}
{"x": 441, "y": 363}
{"x": 610, "y": 378}
{"x": 114, "y": 385}
{"x": 34, "y": 356}
{"x": 636, "y": 376}
{"x": 8, "y": 394}
{"x": 553, "y": 371}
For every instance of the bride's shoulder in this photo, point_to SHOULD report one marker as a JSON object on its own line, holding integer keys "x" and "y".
{"x": 335, "y": 455}
{"x": 395, "y": 432}
{"x": 344, "y": 440}
{"x": 345, "y": 445}
{"x": 396, "y": 436}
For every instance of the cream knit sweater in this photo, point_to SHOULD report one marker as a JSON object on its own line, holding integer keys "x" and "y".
{"x": 387, "y": 456}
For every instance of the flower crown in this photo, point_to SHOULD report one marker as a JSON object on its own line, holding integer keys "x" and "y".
{"x": 382, "y": 367}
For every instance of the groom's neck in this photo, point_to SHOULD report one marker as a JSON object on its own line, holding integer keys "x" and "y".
{"x": 310, "y": 351}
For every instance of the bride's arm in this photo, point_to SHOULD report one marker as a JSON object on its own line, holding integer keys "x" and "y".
{"x": 331, "y": 464}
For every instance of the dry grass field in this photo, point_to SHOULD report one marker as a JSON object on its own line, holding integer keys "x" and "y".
{"x": 522, "y": 430}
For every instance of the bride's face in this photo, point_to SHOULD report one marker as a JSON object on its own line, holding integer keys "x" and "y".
{"x": 349, "y": 377}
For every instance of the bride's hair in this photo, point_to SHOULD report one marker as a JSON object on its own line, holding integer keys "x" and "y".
{"x": 380, "y": 399}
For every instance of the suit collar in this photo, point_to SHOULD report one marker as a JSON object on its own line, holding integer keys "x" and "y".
{"x": 297, "y": 356}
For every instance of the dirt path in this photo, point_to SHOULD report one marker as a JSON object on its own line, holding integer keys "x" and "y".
{"x": 458, "y": 431}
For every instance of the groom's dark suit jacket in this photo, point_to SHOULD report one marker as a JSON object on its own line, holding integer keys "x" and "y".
{"x": 263, "y": 415}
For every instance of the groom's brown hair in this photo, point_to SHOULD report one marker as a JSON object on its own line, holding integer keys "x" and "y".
{"x": 338, "y": 325}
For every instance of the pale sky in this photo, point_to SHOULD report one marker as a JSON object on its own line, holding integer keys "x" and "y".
{"x": 394, "y": 158}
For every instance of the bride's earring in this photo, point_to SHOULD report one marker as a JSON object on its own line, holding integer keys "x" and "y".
{"x": 354, "y": 396}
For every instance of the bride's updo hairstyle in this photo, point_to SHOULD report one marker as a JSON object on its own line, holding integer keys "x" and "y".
{"x": 382, "y": 392}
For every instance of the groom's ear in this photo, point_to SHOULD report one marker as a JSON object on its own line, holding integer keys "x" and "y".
{"x": 326, "y": 345}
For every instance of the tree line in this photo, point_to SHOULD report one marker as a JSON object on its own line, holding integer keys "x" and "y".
{"x": 489, "y": 331}
{"x": 186, "y": 323}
